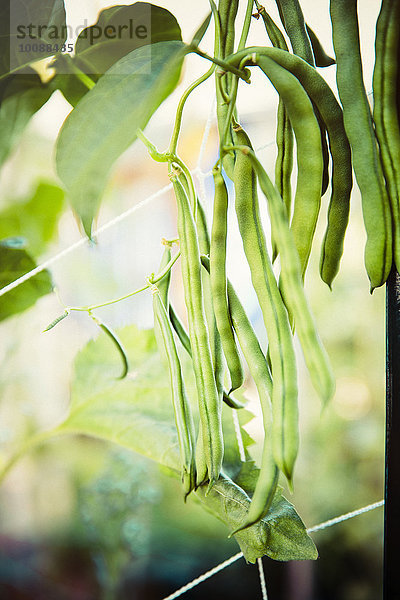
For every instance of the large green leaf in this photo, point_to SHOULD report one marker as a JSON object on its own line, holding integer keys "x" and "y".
{"x": 96, "y": 56}
{"x": 137, "y": 414}
{"x": 30, "y": 31}
{"x": 15, "y": 262}
{"x": 96, "y": 51}
{"x": 36, "y": 218}
{"x": 105, "y": 123}
{"x": 22, "y": 98}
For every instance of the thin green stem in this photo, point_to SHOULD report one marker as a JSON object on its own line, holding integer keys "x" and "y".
{"x": 191, "y": 189}
{"x": 179, "y": 113}
{"x": 246, "y": 25}
{"x": 151, "y": 280}
{"x": 152, "y": 150}
{"x": 224, "y": 65}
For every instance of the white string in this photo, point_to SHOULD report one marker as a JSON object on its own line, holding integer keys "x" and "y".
{"x": 51, "y": 261}
{"x": 202, "y": 578}
{"x": 227, "y": 563}
{"x": 262, "y": 578}
{"x": 350, "y": 515}
{"x": 201, "y": 176}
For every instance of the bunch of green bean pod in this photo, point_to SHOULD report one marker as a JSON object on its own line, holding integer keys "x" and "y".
{"x": 208, "y": 397}
{"x": 258, "y": 367}
{"x": 293, "y": 291}
{"x": 360, "y": 131}
{"x": 385, "y": 107}
{"x": 309, "y": 154}
{"x": 183, "y": 416}
{"x": 338, "y": 213}
{"x": 283, "y": 362}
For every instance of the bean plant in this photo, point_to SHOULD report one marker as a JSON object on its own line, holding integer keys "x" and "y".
{"x": 115, "y": 86}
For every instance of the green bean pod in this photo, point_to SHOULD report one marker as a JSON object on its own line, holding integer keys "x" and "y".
{"x": 208, "y": 397}
{"x": 342, "y": 180}
{"x": 284, "y": 392}
{"x": 218, "y": 280}
{"x": 268, "y": 477}
{"x": 284, "y": 159}
{"x": 163, "y": 287}
{"x": 215, "y": 339}
{"x": 385, "y": 110}
{"x": 293, "y": 21}
{"x": 183, "y": 416}
{"x": 185, "y": 341}
{"x": 292, "y": 288}
{"x": 309, "y": 157}
{"x": 284, "y": 132}
{"x": 360, "y": 131}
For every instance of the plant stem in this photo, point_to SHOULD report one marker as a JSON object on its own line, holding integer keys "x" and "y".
{"x": 221, "y": 63}
{"x": 179, "y": 113}
{"x": 152, "y": 280}
{"x": 246, "y": 25}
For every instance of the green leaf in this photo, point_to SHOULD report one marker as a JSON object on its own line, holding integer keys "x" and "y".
{"x": 281, "y": 535}
{"x": 156, "y": 24}
{"x": 105, "y": 122}
{"x": 22, "y": 97}
{"x": 137, "y": 414}
{"x": 38, "y": 25}
{"x": 15, "y": 262}
{"x": 35, "y": 218}
{"x": 198, "y": 36}
{"x": 95, "y": 53}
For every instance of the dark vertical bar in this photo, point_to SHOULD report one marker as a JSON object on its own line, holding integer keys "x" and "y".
{"x": 391, "y": 566}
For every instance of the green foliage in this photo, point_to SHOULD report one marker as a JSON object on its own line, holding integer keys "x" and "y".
{"x": 281, "y": 535}
{"x": 96, "y": 58}
{"x": 35, "y": 218}
{"x": 49, "y": 15}
{"x": 21, "y": 98}
{"x": 137, "y": 413}
{"x": 95, "y": 55}
{"x": 15, "y": 262}
{"x": 105, "y": 123}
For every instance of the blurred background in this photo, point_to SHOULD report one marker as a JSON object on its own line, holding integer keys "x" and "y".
{"x": 81, "y": 519}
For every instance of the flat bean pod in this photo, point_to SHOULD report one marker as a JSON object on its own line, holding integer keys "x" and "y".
{"x": 385, "y": 110}
{"x": 360, "y": 131}
{"x": 208, "y": 397}
{"x": 183, "y": 416}
{"x": 218, "y": 280}
{"x": 284, "y": 393}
